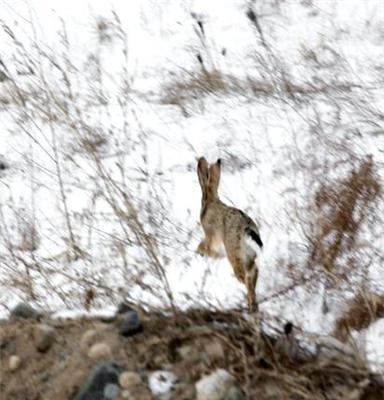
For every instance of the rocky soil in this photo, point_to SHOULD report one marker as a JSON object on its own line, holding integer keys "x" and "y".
{"x": 198, "y": 355}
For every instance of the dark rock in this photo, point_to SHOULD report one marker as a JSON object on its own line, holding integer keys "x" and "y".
{"x": 44, "y": 337}
{"x": 100, "y": 382}
{"x": 24, "y": 310}
{"x": 124, "y": 307}
{"x": 130, "y": 324}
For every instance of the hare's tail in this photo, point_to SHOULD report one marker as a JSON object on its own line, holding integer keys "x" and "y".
{"x": 254, "y": 236}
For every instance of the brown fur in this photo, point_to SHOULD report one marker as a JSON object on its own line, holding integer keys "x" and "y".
{"x": 226, "y": 225}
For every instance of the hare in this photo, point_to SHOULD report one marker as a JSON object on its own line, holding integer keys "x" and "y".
{"x": 229, "y": 226}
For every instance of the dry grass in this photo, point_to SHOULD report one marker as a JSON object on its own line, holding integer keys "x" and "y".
{"x": 93, "y": 142}
{"x": 343, "y": 208}
{"x": 196, "y": 86}
{"x": 365, "y": 308}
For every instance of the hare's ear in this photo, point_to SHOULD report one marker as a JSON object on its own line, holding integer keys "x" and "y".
{"x": 202, "y": 172}
{"x": 214, "y": 176}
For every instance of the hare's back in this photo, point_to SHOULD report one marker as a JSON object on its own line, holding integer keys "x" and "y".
{"x": 240, "y": 230}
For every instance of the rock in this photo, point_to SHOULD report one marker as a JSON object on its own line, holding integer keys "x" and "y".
{"x": 124, "y": 307}
{"x": 214, "y": 386}
{"x": 44, "y": 336}
{"x": 111, "y": 391}
{"x": 88, "y": 337}
{"x": 162, "y": 382}
{"x": 95, "y": 334}
{"x": 139, "y": 393}
{"x": 99, "y": 350}
{"x": 99, "y": 382}
{"x": 214, "y": 351}
{"x": 234, "y": 393}
{"x": 24, "y": 310}
{"x": 14, "y": 363}
{"x": 128, "y": 380}
{"x": 185, "y": 351}
{"x": 189, "y": 352}
{"x": 130, "y": 324}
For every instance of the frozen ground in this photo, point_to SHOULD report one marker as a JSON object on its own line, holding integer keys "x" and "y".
{"x": 98, "y": 110}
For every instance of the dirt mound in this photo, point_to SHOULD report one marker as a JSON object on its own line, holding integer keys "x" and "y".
{"x": 169, "y": 356}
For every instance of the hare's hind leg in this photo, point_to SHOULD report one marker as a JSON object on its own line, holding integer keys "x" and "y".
{"x": 235, "y": 257}
{"x": 238, "y": 266}
{"x": 251, "y": 274}
{"x": 246, "y": 272}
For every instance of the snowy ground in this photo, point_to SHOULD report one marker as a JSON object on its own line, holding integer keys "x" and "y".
{"x": 116, "y": 74}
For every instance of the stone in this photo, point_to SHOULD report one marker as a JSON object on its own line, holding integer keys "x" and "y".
{"x": 139, "y": 393}
{"x": 130, "y": 324}
{"x": 162, "y": 382}
{"x": 214, "y": 351}
{"x": 111, "y": 391}
{"x": 184, "y": 351}
{"x": 188, "y": 352}
{"x": 129, "y": 379}
{"x": 44, "y": 337}
{"x": 24, "y": 310}
{"x": 124, "y": 307}
{"x": 98, "y": 382}
{"x": 99, "y": 350}
{"x": 214, "y": 386}
{"x": 14, "y": 363}
{"x": 88, "y": 337}
{"x": 234, "y": 393}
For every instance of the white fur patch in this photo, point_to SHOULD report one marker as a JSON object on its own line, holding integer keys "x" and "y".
{"x": 252, "y": 249}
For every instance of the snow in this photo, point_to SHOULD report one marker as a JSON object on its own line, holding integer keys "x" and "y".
{"x": 161, "y": 382}
{"x": 372, "y": 348}
{"x": 268, "y": 144}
